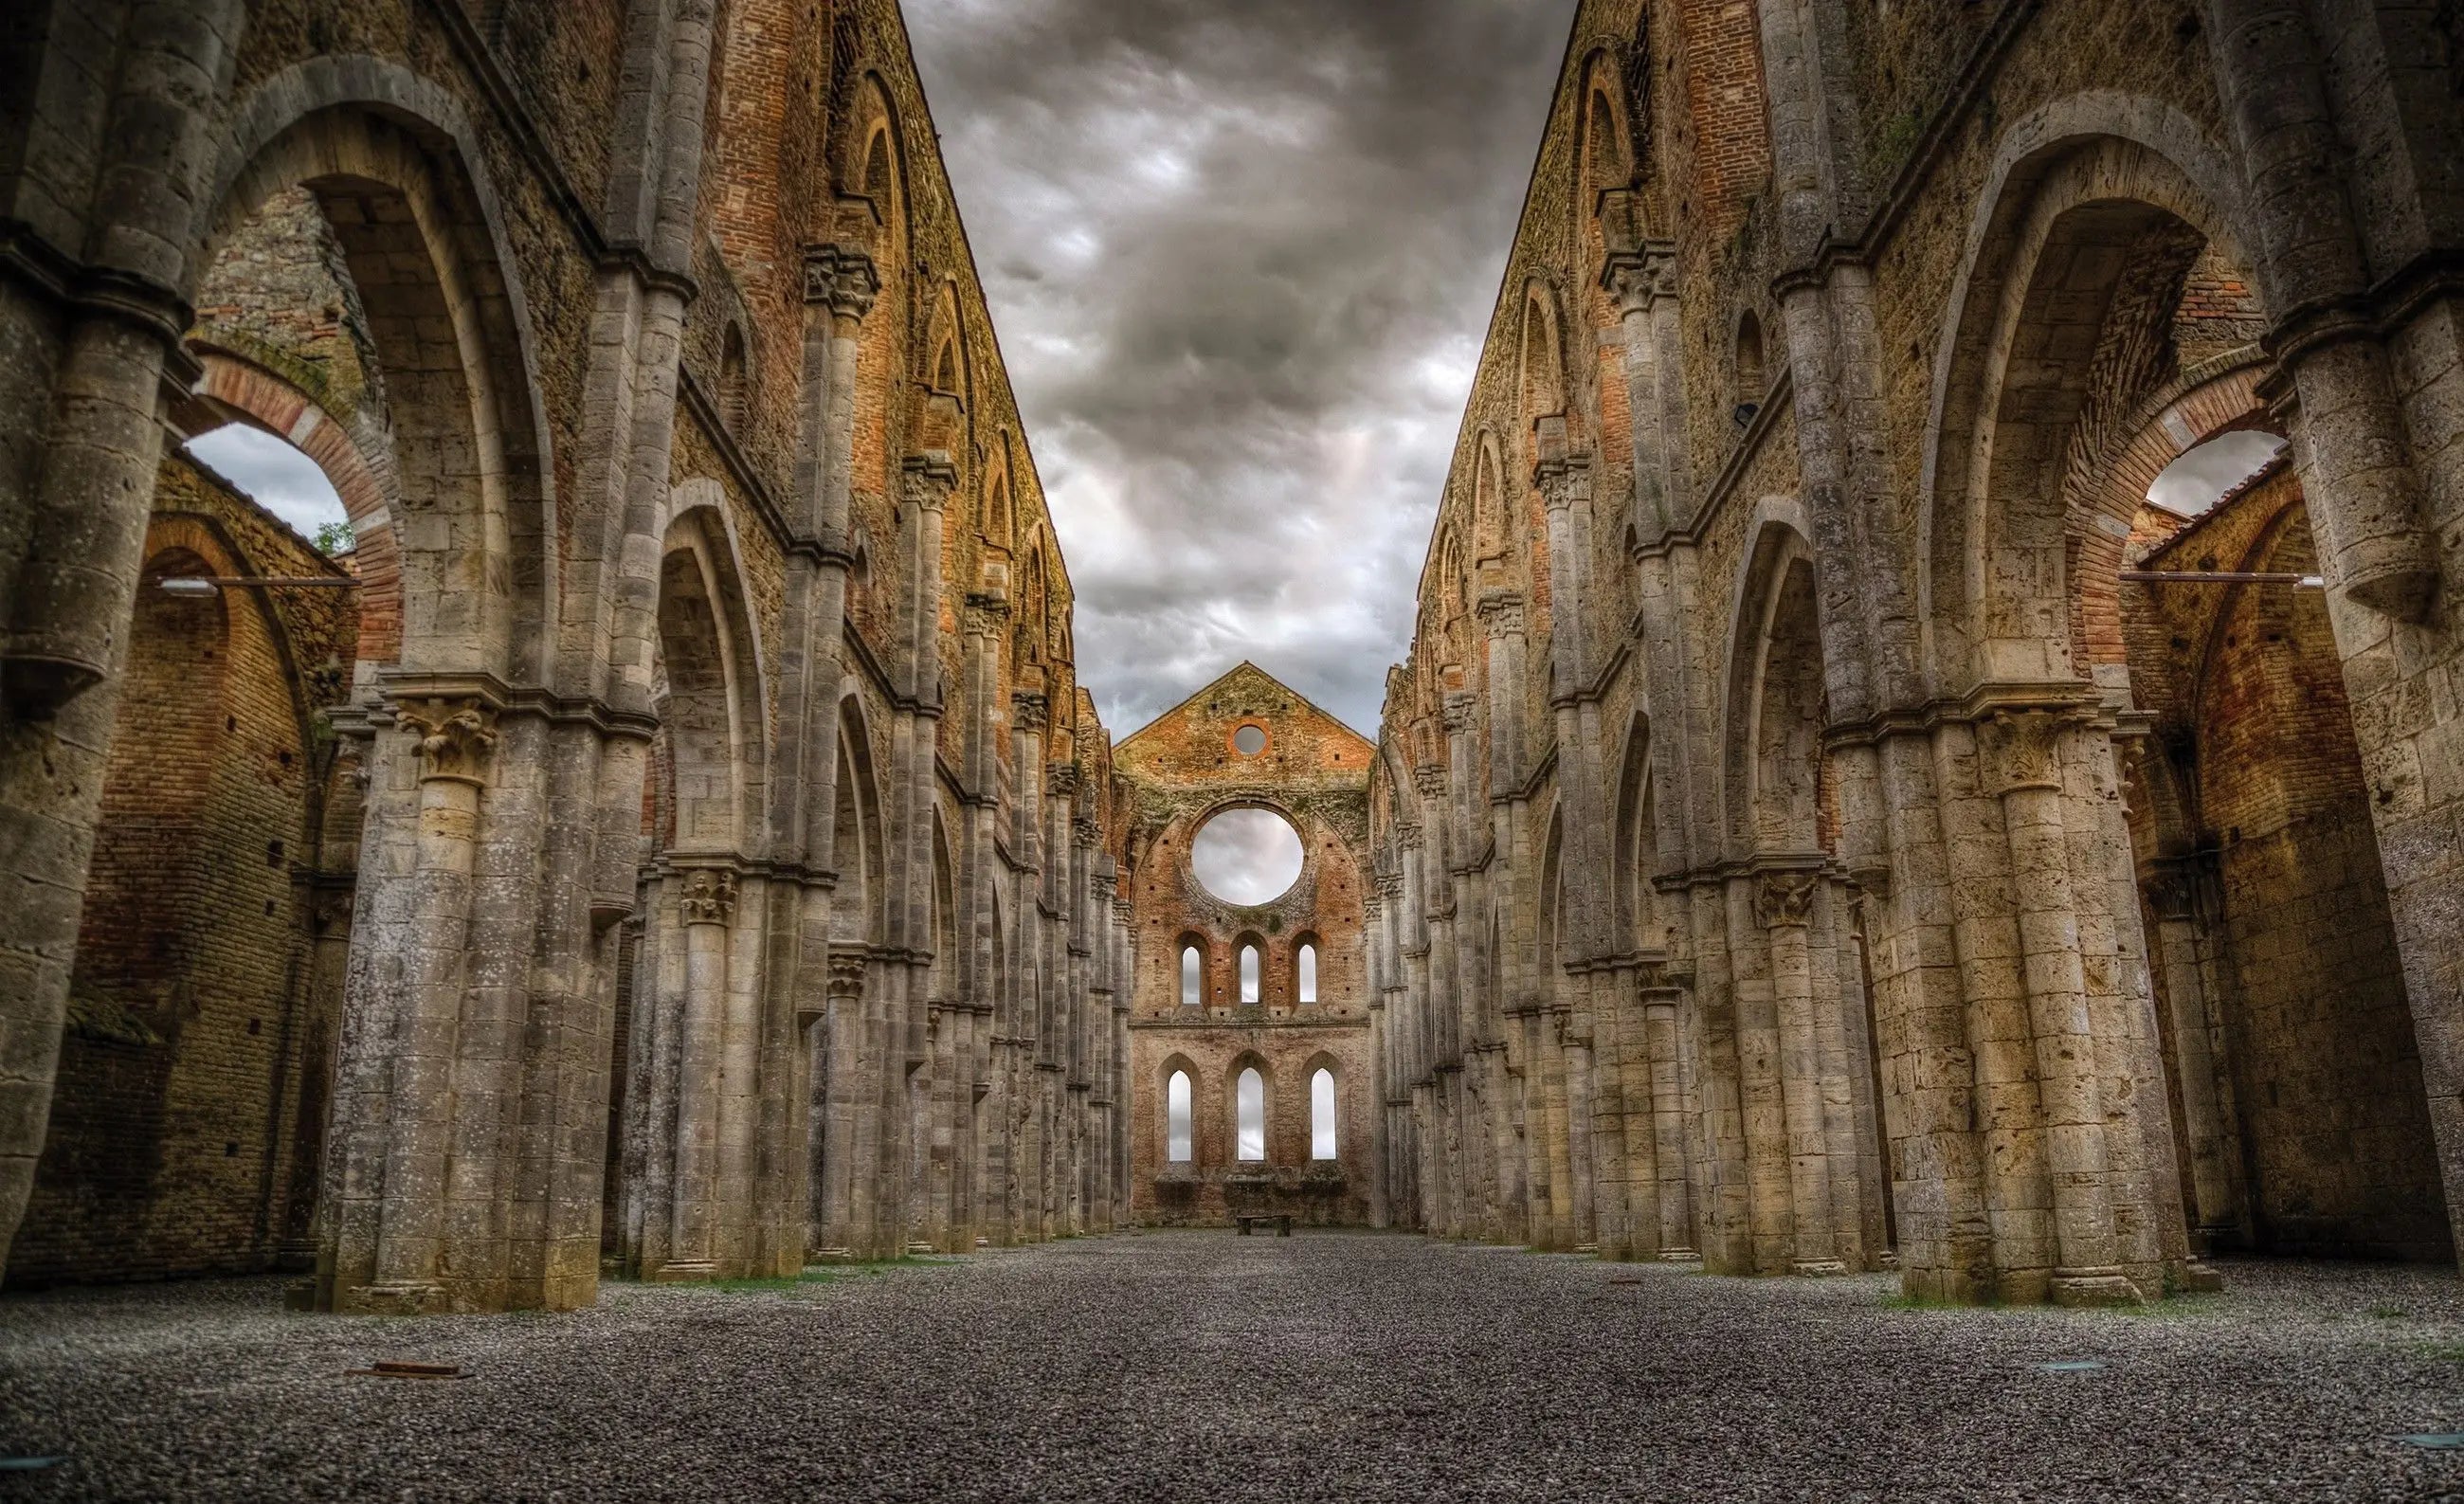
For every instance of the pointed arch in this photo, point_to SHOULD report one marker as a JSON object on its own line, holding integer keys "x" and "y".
{"x": 857, "y": 902}
{"x": 1773, "y": 715}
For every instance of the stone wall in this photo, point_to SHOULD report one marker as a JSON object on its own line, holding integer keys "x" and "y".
{"x": 197, "y": 1016}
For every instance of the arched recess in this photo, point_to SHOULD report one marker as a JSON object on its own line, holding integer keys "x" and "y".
{"x": 1541, "y": 367}
{"x": 712, "y": 715}
{"x": 856, "y": 901}
{"x": 1775, "y": 797}
{"x": 1492, "y": 530}
{"x": 2059, "y": 327}
{"x": 1636, "y": 917}
{"x": 1306, "y": 953}
{"x": 875, "y": 168}
{"x": 392, "y": 163}
{"x": 1548, "y": 946}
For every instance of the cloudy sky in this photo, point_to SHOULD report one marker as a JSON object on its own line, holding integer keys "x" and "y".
{"x": 1241, "y": 254}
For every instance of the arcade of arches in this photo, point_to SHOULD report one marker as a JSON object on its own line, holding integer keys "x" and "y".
{"x": 1830, "y": 816}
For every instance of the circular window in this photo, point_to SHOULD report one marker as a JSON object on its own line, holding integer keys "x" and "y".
{"x": 1249, "y": 741}
{"x": 1246, "y": 856}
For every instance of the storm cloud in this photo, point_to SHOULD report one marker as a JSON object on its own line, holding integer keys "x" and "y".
{"x": 1241, "y": 254}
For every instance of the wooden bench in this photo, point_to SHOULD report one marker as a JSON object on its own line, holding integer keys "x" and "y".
{"x": 1281, "y": 1221}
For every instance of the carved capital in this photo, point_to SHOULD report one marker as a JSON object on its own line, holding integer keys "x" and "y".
{"x": 843, "y": 277}
{"x": 1430, "y": 779}
{"x": 709, "y": 896}
{"x": 1408, "y": 837}
{"x": 1640, "y": 275}
{"x": 1390, "y": 884}
{"x": 1564, "y": 482}
{"x": 1460, "y": 710}
{"x": 1061, "y": 780}
{"x": 1501, "y": 613}
{"x": 845, "y": 982}
{"x": 1028, "y": 711}
{"x": 1088, "y": 833}
{"x": 986, "y": 613}
{"x": 928, "y": 478}
{"x": 2023, "y": 748}
{"x": 1786, "y": 899}
{"x": 456, "y": 737}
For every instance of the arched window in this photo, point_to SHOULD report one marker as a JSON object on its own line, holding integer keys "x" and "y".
{"x": 1249, "y": 1109}
{"x": 1305, "y": 973}
{"x": 1750, "y": 383}
{"x": 1322, "y": 1114}
{"x": 1176, "y": 1118}
{"x": 1248, "y": 973}
{"x": 1193, "y": 975}
{"x": 732, "y": 396}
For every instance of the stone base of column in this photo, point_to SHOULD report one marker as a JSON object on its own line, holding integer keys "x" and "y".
{"x": 687, "y": 1272}
{"x": 1586, "y": 1248}
{"x": 1681, "y": 1256}
{"x": 390, "y": 1300}
{"x": 2095, "y": 1287}
{"x": 919, "y": 1250}
{"x": 1818, "y": 1268}
{"x": 831, "y": 1255}
{"x": 2200, "y": 1278}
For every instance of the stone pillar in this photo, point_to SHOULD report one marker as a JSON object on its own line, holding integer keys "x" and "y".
{"x": 389, "y": 1180}
{"x": 706, "y": 908}
{"x": 838, "y": 1083}
{"x": 2024, "y": 749}
{"x": 1784, "y": 905}
{"x": 1641, "y": 277}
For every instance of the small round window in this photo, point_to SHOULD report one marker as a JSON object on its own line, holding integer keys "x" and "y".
{"x": 1249, "y": 741}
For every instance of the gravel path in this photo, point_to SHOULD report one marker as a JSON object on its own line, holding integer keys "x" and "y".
{"x": 1201, "y": 1367}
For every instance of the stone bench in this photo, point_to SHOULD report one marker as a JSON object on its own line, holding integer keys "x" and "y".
{"x": 1281, "y": 1221}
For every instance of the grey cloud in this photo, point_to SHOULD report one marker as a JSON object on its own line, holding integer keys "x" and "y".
{"x": 1242, "y": 254}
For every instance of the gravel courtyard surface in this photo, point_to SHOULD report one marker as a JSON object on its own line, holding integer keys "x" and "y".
{"x": 1201, "y": 1365}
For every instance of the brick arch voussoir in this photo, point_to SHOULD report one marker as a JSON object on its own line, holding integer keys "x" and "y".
{"x": 280, "y": 407}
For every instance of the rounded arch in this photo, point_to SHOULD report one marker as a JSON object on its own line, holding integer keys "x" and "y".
{"x": 247, "y": 392}
{"x": 1772, "y": 721}
{"x": 1607, "y": 153}
{"x": 1635, "y": 902}
{"x": 856, "y": 901}
{"x": 1249, "y": 968}
{"x": 393, "y": 164}
{"x": 1492, "y": 533}
{"x": 1540, "y": 366}
{"x": 1309, "y": 956}
{"x": 713, "y": 712}
{"x": 2077, "y": 186}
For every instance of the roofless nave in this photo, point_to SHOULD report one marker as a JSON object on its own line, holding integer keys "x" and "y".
{"x": 1829, "y": 816}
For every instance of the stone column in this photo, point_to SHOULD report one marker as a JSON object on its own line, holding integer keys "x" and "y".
{"x": 706, "y": 906}
{"x": 2024, "y": 749}
{"x": 1784, "y": 904}
{"x": 1641, "y": 277}
{"x": 839, "y": 1082}
{"x": 453, "y": 740}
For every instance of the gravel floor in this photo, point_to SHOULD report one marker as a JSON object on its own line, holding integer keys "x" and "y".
{"x": 1201, "y": 1365}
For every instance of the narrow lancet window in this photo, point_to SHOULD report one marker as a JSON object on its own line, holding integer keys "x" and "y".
{"x": 1248, "y": 973}
{"x": 1193, "y": 976}
{"x": 1305, "y": 975}
{"x": 1322, "y": 1114}
{"x": 1250, "y": 1108}
{"x": 1176, "y": 1118}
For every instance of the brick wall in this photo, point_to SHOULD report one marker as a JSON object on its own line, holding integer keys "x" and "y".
{"x": 192, "y": 1021}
